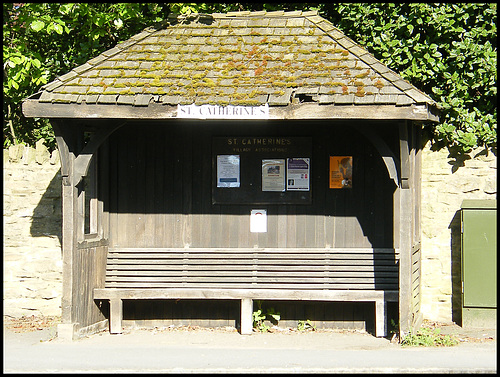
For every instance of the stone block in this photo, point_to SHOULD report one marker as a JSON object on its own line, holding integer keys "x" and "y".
{"x": 42, "y": 154}
{"x": 50, "y": 294}
{"x": 490, "y": 185}
{"x": 29, "y": 155}
{"x": 16, "y": 152}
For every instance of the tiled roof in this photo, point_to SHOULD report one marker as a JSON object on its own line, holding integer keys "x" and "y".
{"x": 238, "y": 58}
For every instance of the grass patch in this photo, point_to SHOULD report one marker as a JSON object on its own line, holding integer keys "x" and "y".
{"x": 426, "y": 337}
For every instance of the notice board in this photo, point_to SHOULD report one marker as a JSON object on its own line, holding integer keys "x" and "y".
{"x": 261, "y": 170}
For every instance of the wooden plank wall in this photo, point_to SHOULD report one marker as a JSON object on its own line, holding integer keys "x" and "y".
{"x": 89, "y": 271}
{"x": 161, "y": 185}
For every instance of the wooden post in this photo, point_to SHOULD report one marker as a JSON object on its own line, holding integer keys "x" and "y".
{"x": 115, "y": 316}
{"x": 380, "y": 318}
{"x": 75, "y": 160}
{"x": 246, "y": 316}
{"x": 405, "y": 234}
{"x": 417, "y": 236}
{"x": 66, "y": 141}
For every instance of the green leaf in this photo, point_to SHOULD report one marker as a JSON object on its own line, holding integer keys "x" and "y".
{"x": 58, "y": 28}
{"x": 37, "y": 63}
{"x": 14, "y": 84}
{"x": 66, "y": 8}
{"x": 37, "y": 25}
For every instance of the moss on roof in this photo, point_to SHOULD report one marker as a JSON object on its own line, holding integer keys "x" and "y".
{"x": 249, "y": 58}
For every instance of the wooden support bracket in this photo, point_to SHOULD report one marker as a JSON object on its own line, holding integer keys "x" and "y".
{"x": 404, "y": 155}
{"x": 390, "y": 160}
{"x": 72, "y": 172}
{"x": 82, "y": 162}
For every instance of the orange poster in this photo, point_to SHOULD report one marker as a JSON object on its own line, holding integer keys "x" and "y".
{"x": 340, "y": 172}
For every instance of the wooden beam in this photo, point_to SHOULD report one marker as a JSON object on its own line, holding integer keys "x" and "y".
{"x": 343, "y": 112}
{"x": 34, "y": 108}
{"x": 238, "y": 294}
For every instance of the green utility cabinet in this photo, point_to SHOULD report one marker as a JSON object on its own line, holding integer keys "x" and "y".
{"x": 479, "y": 263}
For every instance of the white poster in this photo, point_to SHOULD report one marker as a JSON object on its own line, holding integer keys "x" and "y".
{"x": 273, "y": 175}
{"x": 297, "y": 170}
{"x": 258, "y": 221}
{"x": 228, "y": 171}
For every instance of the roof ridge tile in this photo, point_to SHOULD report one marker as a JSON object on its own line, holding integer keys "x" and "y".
{"x": 259, "y": 13}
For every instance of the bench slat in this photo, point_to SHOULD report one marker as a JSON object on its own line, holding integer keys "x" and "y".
{"x": 293, "y": 286}
{"x": 288, "y": 274}
{"x": 237, "y": 277}
{"x": 249, "y": 267}
{"x": 152, "y": 260}
{"x": 292, "y": 264}
{"x": 248, "y": 278}
{"x": 246, "y": 253}
{"x": 257, "y": 250}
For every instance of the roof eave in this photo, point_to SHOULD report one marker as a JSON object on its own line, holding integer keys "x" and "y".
{"x": 32, "y": 108}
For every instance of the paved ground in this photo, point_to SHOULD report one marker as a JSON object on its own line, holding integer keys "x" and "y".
{"x": 181, "y": 350}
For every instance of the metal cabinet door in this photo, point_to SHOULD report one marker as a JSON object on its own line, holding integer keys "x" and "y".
{"x": 479, "y": 258}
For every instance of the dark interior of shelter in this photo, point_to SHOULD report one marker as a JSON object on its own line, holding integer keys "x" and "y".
{"x": 167, "y": 170}
{"x": 156, "y": 181}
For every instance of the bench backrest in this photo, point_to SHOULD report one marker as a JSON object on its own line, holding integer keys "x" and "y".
{"x": 357, "y": 269}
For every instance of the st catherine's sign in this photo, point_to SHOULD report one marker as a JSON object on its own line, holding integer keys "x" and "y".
{"x": 222, "y": 112}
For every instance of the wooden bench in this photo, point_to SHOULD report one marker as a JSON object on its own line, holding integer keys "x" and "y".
{"x": 366, "y": 275}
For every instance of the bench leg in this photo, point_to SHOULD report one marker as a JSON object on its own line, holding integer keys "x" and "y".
{"x": 115, "y": 316}
{"x": 246, "y": 316}
{"x": 380, "y": 318}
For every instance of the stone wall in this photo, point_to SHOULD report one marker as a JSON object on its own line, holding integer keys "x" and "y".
{"x": 32, "y": 228}
{"x": 32, "y": 268}
{"x": 446, "y": 182}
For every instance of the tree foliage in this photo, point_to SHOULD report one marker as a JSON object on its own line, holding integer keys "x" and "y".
{"x": 447, "y": 50}
{"x": 45, "y": 40}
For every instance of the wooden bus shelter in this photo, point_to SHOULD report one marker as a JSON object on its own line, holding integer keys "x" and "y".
{"x": 241, "y": 156}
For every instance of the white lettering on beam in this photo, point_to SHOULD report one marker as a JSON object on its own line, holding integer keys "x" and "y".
{"x": 222, "y": 112}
